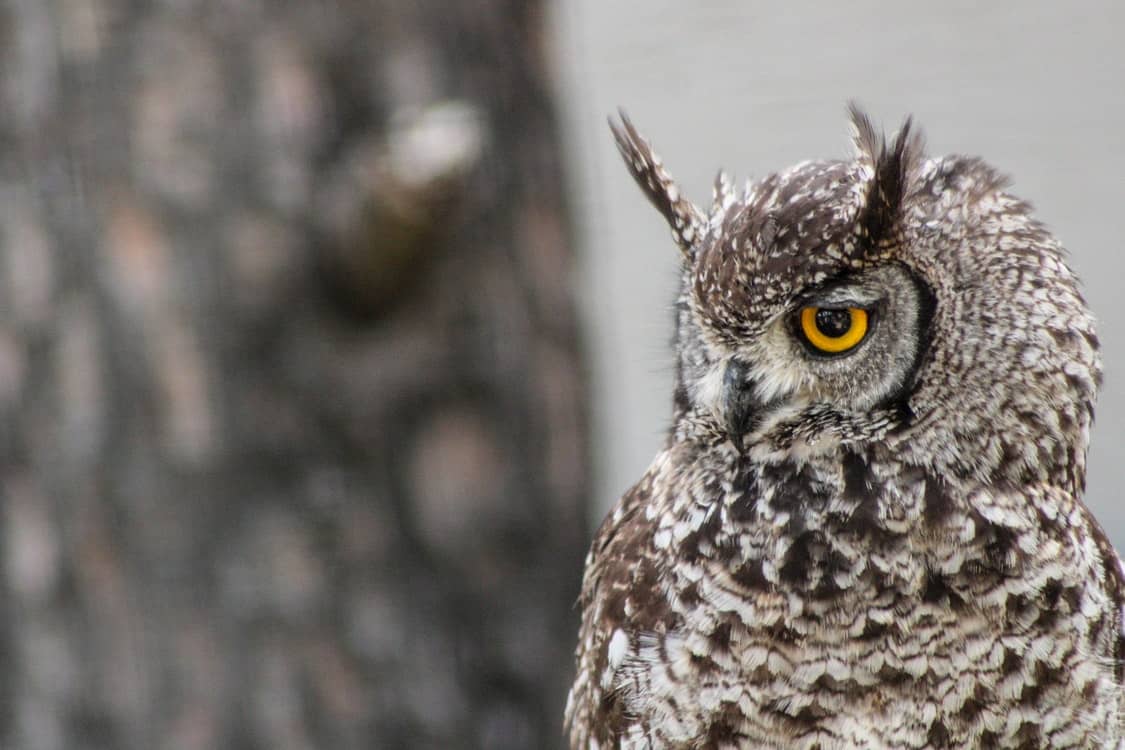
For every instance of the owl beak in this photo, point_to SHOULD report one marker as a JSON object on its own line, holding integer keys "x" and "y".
{"x": 741, "y": 409}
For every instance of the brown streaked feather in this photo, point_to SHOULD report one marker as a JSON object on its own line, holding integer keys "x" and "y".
{"x": 894, "y": 165}
{"x": 686, "y": 220}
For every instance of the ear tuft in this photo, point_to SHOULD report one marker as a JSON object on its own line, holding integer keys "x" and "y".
{"x": 893, "y": 167}
{"x": 686, "y": 220}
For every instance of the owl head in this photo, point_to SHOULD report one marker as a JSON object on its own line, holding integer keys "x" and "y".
{"x": 888, "y": 299}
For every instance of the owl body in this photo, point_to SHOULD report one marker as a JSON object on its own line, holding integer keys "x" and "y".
{"x": 860, "y": 538}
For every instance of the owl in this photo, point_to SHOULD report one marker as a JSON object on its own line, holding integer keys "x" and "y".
{"x": 865, "y": 528}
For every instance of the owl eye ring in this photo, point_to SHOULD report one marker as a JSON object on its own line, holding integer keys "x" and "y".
{"x": 831, "y": 330}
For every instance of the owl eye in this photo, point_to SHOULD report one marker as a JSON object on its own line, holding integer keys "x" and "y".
{"x": 833, "y": 330}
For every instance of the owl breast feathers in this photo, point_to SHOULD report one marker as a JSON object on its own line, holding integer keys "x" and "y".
{"x": 865, "y": 529}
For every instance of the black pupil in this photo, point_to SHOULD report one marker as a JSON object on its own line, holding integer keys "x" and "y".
{"x": 833, "y": 323}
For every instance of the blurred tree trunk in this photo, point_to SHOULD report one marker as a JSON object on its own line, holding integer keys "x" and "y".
{"x": 293, "y": 452}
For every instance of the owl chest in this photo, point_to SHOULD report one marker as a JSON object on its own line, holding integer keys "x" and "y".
{"x": 929, "y": 678}
{"x": 832, "y": 632}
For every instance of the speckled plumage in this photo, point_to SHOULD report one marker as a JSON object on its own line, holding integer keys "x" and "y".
{"x": 882, "y": 549}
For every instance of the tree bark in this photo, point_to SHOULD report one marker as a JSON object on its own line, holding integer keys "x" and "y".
{"x": 293, "y": 451}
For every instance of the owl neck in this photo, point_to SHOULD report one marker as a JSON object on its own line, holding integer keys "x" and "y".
{"x": 1009, "y": 452}
{"x": 829, "y": 525}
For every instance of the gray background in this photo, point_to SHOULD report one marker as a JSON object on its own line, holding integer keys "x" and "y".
{"x": 1035, "y": 88}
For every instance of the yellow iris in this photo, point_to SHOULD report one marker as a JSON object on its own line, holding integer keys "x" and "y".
{"x": 835, "y": 332}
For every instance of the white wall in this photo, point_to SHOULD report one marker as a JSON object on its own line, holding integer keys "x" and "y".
{"x": 1035, "y": 87}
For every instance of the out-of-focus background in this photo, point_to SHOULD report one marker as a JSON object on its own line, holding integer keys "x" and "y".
{"x": 328, "y": 330}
